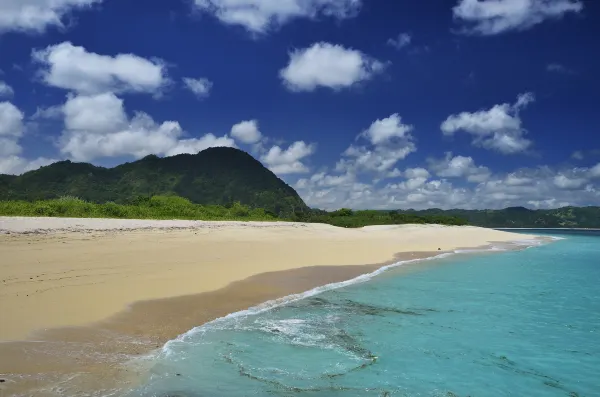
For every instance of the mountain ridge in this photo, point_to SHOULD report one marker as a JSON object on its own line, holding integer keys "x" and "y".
{"x": 218, "y": 175}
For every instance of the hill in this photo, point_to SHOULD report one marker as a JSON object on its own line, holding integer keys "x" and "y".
{"x": 566, "y": 217}
{"x": 215, "y": 176}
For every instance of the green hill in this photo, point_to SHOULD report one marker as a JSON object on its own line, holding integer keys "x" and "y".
{"x": 219, "y": 176}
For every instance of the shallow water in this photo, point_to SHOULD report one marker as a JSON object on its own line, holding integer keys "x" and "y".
{"x": 518, "y": 323}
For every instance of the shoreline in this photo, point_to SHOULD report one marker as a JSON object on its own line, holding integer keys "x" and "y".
{"x": 119, "y": 347}
{"x": 100, "y": 348}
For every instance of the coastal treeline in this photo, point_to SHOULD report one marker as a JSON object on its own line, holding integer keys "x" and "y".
{"x": 520, "y": 217}
{"x": 346, "y": 217}
{"x": 174, "y": 207}
{"x": 156, "y": 207}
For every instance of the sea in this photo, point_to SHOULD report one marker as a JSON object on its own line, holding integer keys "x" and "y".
{"x": 504, "y": 323}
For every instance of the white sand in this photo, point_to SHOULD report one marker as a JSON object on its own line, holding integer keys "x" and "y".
{"x": 60, "y": 272}
{"x": 46, "y": 225}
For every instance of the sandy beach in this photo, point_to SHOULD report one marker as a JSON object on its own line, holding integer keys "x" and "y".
{"x": 89, "y": 294}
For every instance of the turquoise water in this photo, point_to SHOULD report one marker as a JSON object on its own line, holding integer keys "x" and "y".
{"x": 523, "y": 323}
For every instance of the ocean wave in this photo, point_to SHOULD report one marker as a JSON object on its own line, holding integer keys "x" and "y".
{"x": 221, "y": 322}
{"x": 272, "y": 304}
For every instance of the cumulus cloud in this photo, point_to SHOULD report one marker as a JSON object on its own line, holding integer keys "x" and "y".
{"x": 531, "y": 187}
{"x": 570, "y": 183}
{"x": 491, "y": 17}
{"x": 459, "y": 167}
{"x": 385, "y": 130}
{"x": 200, "y": 87}
{"x": 388, "y": 141}
{"x": 498, "y": 128}
{"x": 401, "y": 41}
{"x": 37, "y": 15}
{"x": 11, "y": 121}
{"x": 246, "y": 132}
{"x": 416, "y": 173}
{"x": 48, "y": 113}
{"x": 260, "y": 16}
{"x": 379, "y": 149}
{"x": 290, "y": 160}
{"x": 595, "y": 171}
{"x": 11, "y": 131}
{"x": 74, "y": 68}
{"x": 328, "y": 65}
{"x": 5, "y": 90}
{"x": 415, "y": 178}
{"x": 97, "y": 126}
{"x": 17, "y": 165}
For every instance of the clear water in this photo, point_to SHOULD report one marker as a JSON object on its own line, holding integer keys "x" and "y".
{"x": 523, "y": 323}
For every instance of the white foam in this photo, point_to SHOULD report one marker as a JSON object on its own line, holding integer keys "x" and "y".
{"x": 272, "y": 304}
{"x": 556, "y": 238}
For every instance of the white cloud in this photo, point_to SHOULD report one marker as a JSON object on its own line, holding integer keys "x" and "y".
{"x": 382, "y": 131}
{"x": 401, "y": 41}
{"x": 323, "y": 179}
{"x": 200, "y": 87}
{"x": 247, "y": 132}
{"x": 97, "y": 126}
{"x": 491, "y": 17}
{"x": 49, "y": 113}
{"x": 11, "y": 130}
{"x": 288, "y": 161}
{"x": 595, "y": 171}
{"x": 516, "y": 179}
{"x": 498, "y": 128}
{"x": 459, "y": 167}
{"x": 526, "y": 186}
{"x": 195, "y": 145}
{"x": 5, "y": 90}
{"x": 9, "y": 147}
{"x": 11, "y": 121}
{"x": 328, "y": 65}
{"x": 377, "y": 159}
{"x": 416, "y": 173}
{"x": 260, "y": 16}
{"x": 565, "y": 182}
{"x": 37, "y": 15}
{"x": 548, "y": 203}
{"x": 16, "y": 165}
{"x": 388, "y": 141}
{"x": 74, "y": 68}
{"x": 395, "y": 173}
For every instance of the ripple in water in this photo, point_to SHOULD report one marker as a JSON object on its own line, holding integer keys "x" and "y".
{"x": 514, "y": 323}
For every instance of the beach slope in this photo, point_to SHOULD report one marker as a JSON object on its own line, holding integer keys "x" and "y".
{"x": 58, "y": 272}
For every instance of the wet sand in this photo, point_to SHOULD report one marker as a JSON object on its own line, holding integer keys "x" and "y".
{"x": 101, "y": 298}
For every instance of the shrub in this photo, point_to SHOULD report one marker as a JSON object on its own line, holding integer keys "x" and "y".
{"x": 239, "y": 210}
{"x": 113, "y": 210}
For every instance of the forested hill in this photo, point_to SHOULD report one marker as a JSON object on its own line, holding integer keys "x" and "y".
{"x": 217, "y": 175}
{"x": 566, "y": 217}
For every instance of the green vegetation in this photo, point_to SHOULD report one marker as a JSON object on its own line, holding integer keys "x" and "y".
{"x": 157, "y": 207}
{"x": 566, "y": 217}
{"x": 348, "y": 218}
{"x": 173, "y": 207}
{"x": 215, "y": 176}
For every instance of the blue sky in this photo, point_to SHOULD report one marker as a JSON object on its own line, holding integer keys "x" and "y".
{"x": 355, "y": 103}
